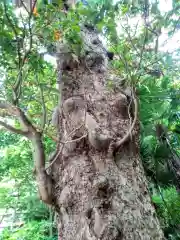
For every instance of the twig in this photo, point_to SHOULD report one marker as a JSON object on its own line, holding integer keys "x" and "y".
{"x": 75, "y": 140}
{"x": 128, "y": 134}
{"x": 62, "y": 147}
{"x": 124, "y": 63}
{"x": 129, "y": 35}
{"x": 17, "y": 86}
{"x": 58, "y": 152}
{"x": 46, "y": 133}
{"x": 17, "y": 112}
{"x": 129, "y": 106}
{"x": 54, "y": 157}
{"x": 24, "y": 6}
{"x": 20, "y": 62}
{"x": 142, "y": 51}
{"x": 3, "y": 216}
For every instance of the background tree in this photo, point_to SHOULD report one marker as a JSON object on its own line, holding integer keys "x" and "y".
{"x": 90, "y": 138}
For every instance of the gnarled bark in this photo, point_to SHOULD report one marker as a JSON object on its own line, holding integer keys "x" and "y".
{"x": 100, "y": 190}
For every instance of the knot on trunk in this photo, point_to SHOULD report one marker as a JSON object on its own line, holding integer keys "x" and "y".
{"x": 56, "y": 117}
{"x": 99, "y": 139}
{"x": 102, "y": 187}
{"x": 72, "y": 104}
{"x": 95, "y": 54}
{"x": 65, "y": 58}
{"x": 121, "y": 105}
{"x": 66, "y": 197}
{"x": 96, "y": 61}
{"x": 111, "y": 232}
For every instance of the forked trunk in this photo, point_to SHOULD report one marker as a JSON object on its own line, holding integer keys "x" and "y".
{"x": 100, "y": 190}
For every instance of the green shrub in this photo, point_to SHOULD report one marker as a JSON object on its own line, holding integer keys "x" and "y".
{"x": 30, "y": 231}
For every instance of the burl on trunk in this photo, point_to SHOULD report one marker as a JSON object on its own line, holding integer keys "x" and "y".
{"x": 99, "y": 187}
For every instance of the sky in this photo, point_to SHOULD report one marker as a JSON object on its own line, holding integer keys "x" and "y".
{"x": 165, "y": 5}
{"x": 174, "y": 42}
{"x": 170, "y": 43}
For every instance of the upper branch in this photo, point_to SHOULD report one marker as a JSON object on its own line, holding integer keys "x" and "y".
{"x": 18, "y": 83}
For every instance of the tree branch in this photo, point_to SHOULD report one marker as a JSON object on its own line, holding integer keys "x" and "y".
{"x": 9, "y": 20}
{"x": 19, "y": 77}
{"x": 43, "y": 123}
{"x": 17, "y": 86}
{"x": 13, "y": 130}
{"x": 22, "y": 2}
{"x": 128, "y": 134}
{"x": 17, "y": 112}
{"x": 43, "y": 179}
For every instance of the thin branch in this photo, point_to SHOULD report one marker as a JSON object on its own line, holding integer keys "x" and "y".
{"x": 75, "y": 140}
{"x": 19, "y": 76}
{"x": 22, "y": 2}
{"x": 17, "y": 112}
{"x": 58, "y": 152}
{"x": 142, "y": 51}
{"x": 17, "y": 90}
{"x": 9, "y": 20}
{"x": 43, "y": 123}
{"x": 128, "y": 134}
{"x": 46, "y": 133}
{"x": 25, "y": 122}
{"x": 15, "y": 32}
{"x": 129, "y": 35}
{"x": 129, "y": 114}
{"x": 56, "y": 155}
{"x": 51, "y": 137}
{"x": 124, "y": 63}
{"x": 4, "y": 114}
{"x": 9, "y": 108}
{"x": 32, "y": 9}
{"x": 3, "y": 216}
{"x": 13, "y": 130}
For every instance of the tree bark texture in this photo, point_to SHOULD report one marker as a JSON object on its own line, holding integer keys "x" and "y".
{"x": 99, "y": 188}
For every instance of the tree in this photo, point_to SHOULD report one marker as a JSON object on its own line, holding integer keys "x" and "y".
{"x": 95, "y": 180}
{"x": 21, "y": 211}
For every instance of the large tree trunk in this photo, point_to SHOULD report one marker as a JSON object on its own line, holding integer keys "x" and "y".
{"x": 100, "y": 189}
